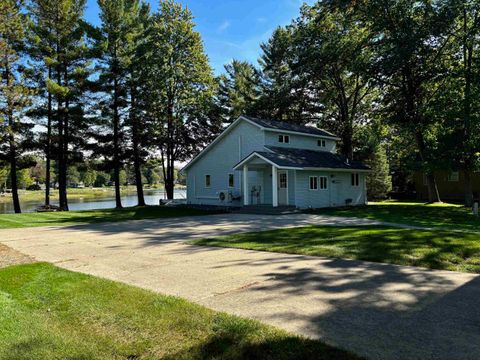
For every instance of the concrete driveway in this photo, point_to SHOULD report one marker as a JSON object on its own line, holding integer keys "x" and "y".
{"x": 375, "y": 310}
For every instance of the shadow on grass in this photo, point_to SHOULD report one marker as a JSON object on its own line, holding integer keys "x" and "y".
{"x": 221, "y": 345}
{"x": 441, "y": 250}
{"x": 376, "y": 310}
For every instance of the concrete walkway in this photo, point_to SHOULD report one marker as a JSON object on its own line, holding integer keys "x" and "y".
{"x": 376, "y": 310}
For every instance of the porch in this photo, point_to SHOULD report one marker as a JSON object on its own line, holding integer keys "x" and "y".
{"x": 266, "y": 185}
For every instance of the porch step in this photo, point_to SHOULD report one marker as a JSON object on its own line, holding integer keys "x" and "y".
{"x": 267, "y": 210}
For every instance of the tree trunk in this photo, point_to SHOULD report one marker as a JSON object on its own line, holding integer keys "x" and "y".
{"x": 116, "y": 160}
{"x": 12, "y": 146}
{"x": 469, "y": 151}
{"x": 169, "y": 181}
{"x": 62, "y": 188}
{"x": 347, "y": 133}
{"x": 13, "y": 172}
{"x": 468, "y": 188}
{"x": 49, "y": 143}
{"x": 136, "y": 149}
{"x": 433, "y": 194}
{"x": 347, "y": 148}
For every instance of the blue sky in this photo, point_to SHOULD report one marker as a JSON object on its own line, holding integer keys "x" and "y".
{"x": 231, "y": 28}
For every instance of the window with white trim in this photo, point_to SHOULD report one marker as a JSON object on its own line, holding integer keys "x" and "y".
{"x": 207, "y": 181}
{"x": 355, "y": 179}
{"x": 322, "y": 143}
{"x": 313, "y": 183}
{"x": 285, "y": 139}
{"x": 454, "y": 176}
{"x": 282, "y": 180}
{"x": 323, "y": 182}
{"x": 231, "y": 180}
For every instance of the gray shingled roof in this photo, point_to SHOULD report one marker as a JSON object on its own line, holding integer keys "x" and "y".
{"x": 301, "y": 158}
{"x": 283, "y": 125}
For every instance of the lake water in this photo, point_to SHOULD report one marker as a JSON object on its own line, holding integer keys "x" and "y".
{"x": 152, "y": 197}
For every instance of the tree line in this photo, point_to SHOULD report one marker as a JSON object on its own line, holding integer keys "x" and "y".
{"x": 398, "y": 81}
{"x": 137, "y": 86}
{"x": 86, "y": 174}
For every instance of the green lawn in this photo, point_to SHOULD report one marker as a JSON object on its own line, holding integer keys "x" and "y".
{"x": 435, "y": 215}
{"x": 458, "y": 251}
{"x": 94, "y": 216}
{"x": 50, "y": 313}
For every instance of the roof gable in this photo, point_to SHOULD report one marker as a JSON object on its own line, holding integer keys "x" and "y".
{"x": 284, "y": 126}
{"x": 223, "y": 134}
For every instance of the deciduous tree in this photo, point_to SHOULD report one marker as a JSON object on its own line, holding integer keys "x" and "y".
{"x": 177, "y": 88}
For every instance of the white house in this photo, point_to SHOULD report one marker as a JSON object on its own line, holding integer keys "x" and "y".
{"x": 265, "y": 162}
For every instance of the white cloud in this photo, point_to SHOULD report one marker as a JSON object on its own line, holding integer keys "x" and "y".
{"x": 224, "y": 26}
{"x": 249, "y": 49}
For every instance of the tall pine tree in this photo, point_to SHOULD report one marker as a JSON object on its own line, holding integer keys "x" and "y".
{"x": 239, "y": 90}
{"x": 14, "y": 94}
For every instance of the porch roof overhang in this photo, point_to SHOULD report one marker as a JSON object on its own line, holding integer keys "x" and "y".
{"x": 263, "y": 157}
{"x": 302, "y": 159}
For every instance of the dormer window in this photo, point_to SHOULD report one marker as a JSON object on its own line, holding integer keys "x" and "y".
{"x": 322, "y": 143}
{"x": 284, "y": 139}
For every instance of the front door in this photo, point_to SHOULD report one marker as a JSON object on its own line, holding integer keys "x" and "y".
{"x": 282, "y": 188}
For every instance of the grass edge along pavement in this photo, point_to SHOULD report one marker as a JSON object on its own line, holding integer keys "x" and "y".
{"x": 433, "y": 249}
{"x": 442, "y": 215}
{"x": 48, "y": 312}
{"x": 12, "y": 221}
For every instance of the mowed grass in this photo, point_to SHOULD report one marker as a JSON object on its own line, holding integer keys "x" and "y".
{"x": 50, "y": 313}
{"x": 94, "y": 216}
{"x": 447, "y": 216}
{"x": 447, "y": 250}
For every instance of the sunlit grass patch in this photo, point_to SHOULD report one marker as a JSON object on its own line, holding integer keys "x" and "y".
{"x": 447, "y": 250}
{"x": 442, "y": 215}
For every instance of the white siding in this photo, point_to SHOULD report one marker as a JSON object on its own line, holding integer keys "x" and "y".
{"x": 339, "y": 190}
{"x": 246, "y": 138}
{"x": 299, "y": 142}
{"x": 218, "y": 163}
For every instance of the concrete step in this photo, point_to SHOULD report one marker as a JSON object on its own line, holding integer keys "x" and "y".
{"x": 267, "y": 210}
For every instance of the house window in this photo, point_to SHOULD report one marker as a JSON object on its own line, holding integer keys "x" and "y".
{"x": 231, "y": 180}
{"x": 282, "y": 180}
{"x": 207, "y": 181}
{"x": 322, "y": 143}
{"x": 313, "y": 183}
{"x": 323, "y": 182}
{"x": 453, "y": 176}
{"x": 355, "y": 179}
{"x": 284, "y": 139}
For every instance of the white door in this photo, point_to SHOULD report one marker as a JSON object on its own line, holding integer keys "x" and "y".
{"x": 336, "y": 193}
{"x": 282, "y": 188}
